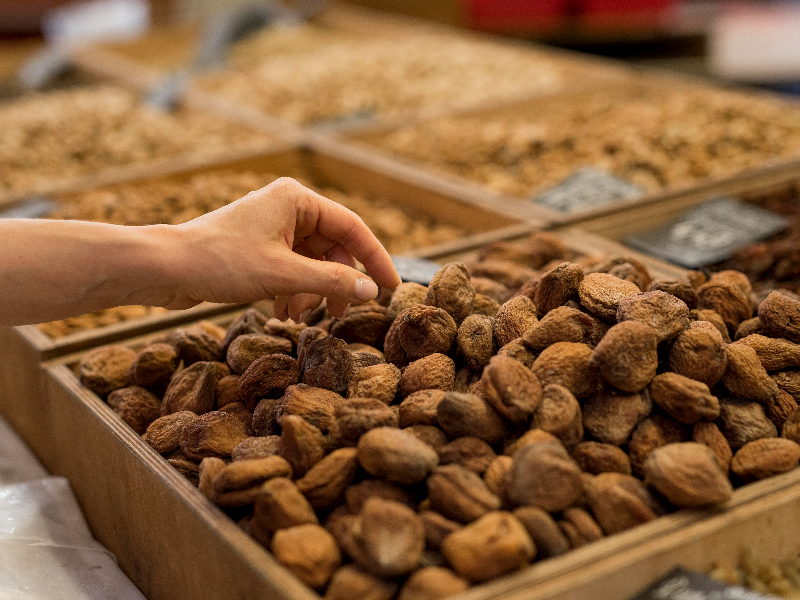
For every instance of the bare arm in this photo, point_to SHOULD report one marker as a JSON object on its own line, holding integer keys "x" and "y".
{"x": 282, "y": 241}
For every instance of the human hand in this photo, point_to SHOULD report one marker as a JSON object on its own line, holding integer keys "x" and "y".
{"x": 283, "y": 241}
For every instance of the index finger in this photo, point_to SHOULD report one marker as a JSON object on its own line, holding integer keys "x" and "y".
{"x": 344, "y": 227}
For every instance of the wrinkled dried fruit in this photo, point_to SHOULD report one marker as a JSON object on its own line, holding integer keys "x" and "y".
{"x": 437, "y": 528}
{"x": 356, "y": 495}
{"x": 280, "y": 506}
{"x": 496, "y": 476}
{"x": 164, "y": 434}
{"x": 727, "y": 301}
{"x": 684, "y": 399}
{"x": 315, "y": 405}
{"x": 579, "y": 527}
{"x": 356, "y": 416}
{"x": 484, "y": 305}
{"x": 563, "y": 324}
{"x": 326, "y": 364}
{"x": 434, "y": 372}
{"x": 136, "y": 406}
{"x": 699, "y": 354}
{"x": 557, "y": 287}
{"x": 544, "y": 475}
{"x": 596, "y": 458}
{"x": 665, "y": 313}
{"x": 653, "y": 432}
{"x": 742, "y": 421}
{"x": 680, "y": 288}
{"x": 105, "y": 369}
{"x": 764, "y": 458}
{"x": 191, "y": 389}
{"x": 377, "y": 381}
{"x": 780, "y": 407}
{"x": 325, "y": 483}
{"x": 514, "y": 318}
{"x": 559, "y": 413}
{"x": 745, "y": 377}
{"x": 153, "y": 367}
{"x": 250, "y": 321}
{"x": 256, "y": 447}
{"x": 780, "y": 316}
{"x": 601, "y": 294}
{"x": 748, "y": 327}
{"x": 268, "y": 376}
{"x": 620, "y": 502}
{"x": 708, "y": 433}
{"x": 517, "y": 350}
{"x": 395, "y": 455}
{"x": 467, "y": 414}
{"x": 469, "y": 452}
{"x": 627, "y": 356}
{"x": 688, "y": 475}
{"x": 365, "y": 324}
{"x": 246, "y": 348}
{"x": 351, "y": 582}
{"x": 547, "y": 536}
{"x": 510, "y": 388}
{"x": 432, "y": 583}
{"x": 212, "y": 434}
{"x": 302, "y": 444}
{"x": 451, "y": 290}
{"x": 611, "y": 416}
{"x": 250, "y": 473}
{"x": 227, "y": 391}
{"x": 417, "y": 332}
{"x": 420, "y": 408}
{"x": 406, "y": 295}
{"x": 476, "y": 341}
{"x": 711, "y": 317}
{"x": 568, "y": 364}
{"x": 459, "y": 494}
{"x": 774, "y": 354}
{"x": 309, "y": 552}
{"x": 495, "y": 544}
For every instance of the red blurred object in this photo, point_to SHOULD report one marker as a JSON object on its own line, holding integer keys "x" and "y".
{"x": 505, "y": 15}
{"x": 25, "y": 16}
{"x": 625, "y": 13}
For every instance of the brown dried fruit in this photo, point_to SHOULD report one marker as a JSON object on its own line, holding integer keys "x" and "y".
{"x": 688, "y": 475}
{"x": 396, "y": 455}
{"x": 559, "y": 413}
{"x": 302, "y": 444}
{"x": 187, "y": 467}
{"x": 246, "y": 474}
{"x": 653, "y": 432}
{"x": 309, "y": 552}
{"x": 532, "y": 436}
{"x": 514, "y": 318}
{"x": 780, "y": 316}
{"x": 256, "y": 447}
{"x": 680, "y": 288}
{"x": 365, "y": 324}
{"x": 459, "y": 494}
{"x": 351, "y": 582}
{"x": 699, "y": 354}
{"x": 568, "y": 364}
{"x": 496, "y": 475}
{"x": 432, "y": 583}
{"x": 709, "y": 316}
{"x": 788, "y": 381}
{"x": 308, "y": 335}
{"x": 280, "y": 506}
{"x": 286, "y": 329}
{"x": 246, "y": 348}
{"x": 433, "y": 372}
{"x": 516, "y": 349}
{"x": 191, "y": 389}
{"x": 420, "y": 408}
{"x": 547, "y": 536}
{"x": 684, "y": 399}
{"x": 268, "y": 376}
{"x": 495, "y": 544}
{"x": 378, "y": 381}
{"x": 325, "y": 483}
{"x": 326, "y": 364}
{"x": 510, "y": 388}
{"x": 212, "y": 434}
{"x": 153, "y": 367}
{"x": 315, "y": 405}
{"x": 601, "y": 294}
{"x": 405, "y": 295}
{"x": 208, "y": 470}
{"x": 748, "y": 327}
{"x": 557, "y": 287}
{"x": 250, "y": 321}
{"x": 709, "y": 434}
{"x": 774, "y": 354}
{"x": 484, "y": 305}
{"x": 627, "y": 356}
{"x": 197, "y": 343}
{"x": 239, "y": 410}
{"x": 264, "y": 420}
{"x": 745, "y": 377}
{"x": 611, "y": 416}
{"x": 727, "y": 301}
{"x": 579, "y": 527}
{"x": 628, "y": 271}
{"x": 490, "y": 288}
{"x": 469, "y": 415}
{"x": 562, "y": 324}
{"x": 451, "y": 290}
{"x": 362, "y": 360}
{"x": 791, "y": 428}
{"x": 417, "y": 332}
{"x": 764, "y": 458}
{"x": 433, "y": 436}
{"x": 227, "y": 391}
{"x": 476, "y": 341}
{"x": 356, "y": 416}
{"x": 437, "y": 528}
{"x": 620, "y": 502}
{"x": 357, "y": 495}
{"x": 136, "y": 406}
{"x": 164, "y": 434}
{"x": 105, "y": 369}
{"x": 665, "y": 313}
{"x": 596, "y": 458}
{"x": 780, "y": 407}
{"x": 544, "y": 475}
{"x": 469, "y": 452}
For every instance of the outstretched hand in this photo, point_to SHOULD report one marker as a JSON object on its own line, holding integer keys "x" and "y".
{"x": 283, "y": 241}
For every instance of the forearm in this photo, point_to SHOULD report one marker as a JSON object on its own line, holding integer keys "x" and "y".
{"x": 55, "y": 269}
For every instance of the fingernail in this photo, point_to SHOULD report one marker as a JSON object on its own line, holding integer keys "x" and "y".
{"x": 366, "y": 289}
{"x": 304, "y": 315}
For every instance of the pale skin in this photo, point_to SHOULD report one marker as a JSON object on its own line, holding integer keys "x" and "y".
{"x": 283, "y": 241}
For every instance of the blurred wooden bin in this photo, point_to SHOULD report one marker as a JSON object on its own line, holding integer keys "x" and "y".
{"x": 24, "y": 348}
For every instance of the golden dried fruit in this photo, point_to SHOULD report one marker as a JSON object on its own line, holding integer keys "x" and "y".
{"x": 710, "y": 316}
{"x": 309, "y": 552}
{"x": 545, "y": 533}
{"x": 302, "y": 444}
{"x": 653, "y": 432}
{"x": 356, "y": 416}
{"x": 688, "y": 475}
{"x": 280, "y": 505}
{"x": 451, "y": 290}
{"x": 326, "y": 364}
{"x": 136, "y": 406}
{"x": 568, "y": 364}
{"x": 764, "y": 458}
{"x": 256, "y": 447}
{"x": 727, "y": 301}
{"x": 596, "y": 458}
{"x": 365, "y": 324}
{"x": 459, "y": 494}
{"x": 774, "y": 354}
{"x": 469, "y": 452}
{"x": 627, "y": 356}
{"x": 699, "y": 354}
{"x": 745, "y": 377}
{"x": 432, "y": 583}
{"x": 420, "y": 408}
{"x": 601, "y": 294}
{"x": 396, "y": 455}
{"x": 514, "y": 318}
{"x": 469, "y": 415}
{"x": 268, "y": 376}
{"x": 496, "y": 476}
{"x": 245, "y": 474}
{"x": 315, "y": 405}
{"x": 437, "y": 528}
{"x": 351, "y": 582}
{"x": 563, "y": 324}
{"x": 227, "y": 391}
{"x": 495, "y": 544}
{"x": 325, "y": 483}
{"x": 579, "y": 527}
{"x": 780, "y": 316}
{"x": 433, "y": 372}
{"x": 376, "y": 381}
{"x": 405, "y": 295}
{"x": 665, "y": 313}
{"x": 680, "y": 288}
{"x": 212, "y": 434}
{"x": 788, "y": 381}
{"x": 544, "y": 475}
{"x": 780, "y": 407}
{"x": 559, "y": 413}
{"x": 611, "y": 416}
{"x": 417, "y": 332}
{"x": 620, "y": 502}
{"x": 684, "y": 399}
{"x": 191, "y": 389}
{"x": 164, "y": 434}
{"x": 748, "y": 327}
{"x": 510, "y": 388}
{"x": 245, "y": 349}
{"x": 557, "y": 287}
{"x": 153, "y": 367}
{"x": 707, "y": 433}
{"x": 476, "y": 341}
{"x": 105, "y": 369}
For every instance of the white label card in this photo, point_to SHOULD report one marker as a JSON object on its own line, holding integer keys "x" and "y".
{"x": 418, "y": 270}
{"x": 710, "y": 233}
{"x": 586, "y": 189}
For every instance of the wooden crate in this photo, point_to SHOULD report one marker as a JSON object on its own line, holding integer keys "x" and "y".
{"x": 174, "y": 544}
{"x": 363, "y": 141}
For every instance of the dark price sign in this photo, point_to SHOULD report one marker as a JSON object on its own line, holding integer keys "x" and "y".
{"x": 417, "y": 270}
{"x": 683, "y": 584}
{"x": 587, "y": 189}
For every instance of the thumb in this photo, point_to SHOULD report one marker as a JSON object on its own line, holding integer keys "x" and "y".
{"x": 330, "y": 279}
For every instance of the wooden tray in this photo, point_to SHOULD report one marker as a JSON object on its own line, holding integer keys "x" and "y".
{"x": 174, "y": 544}
{"x": 361, "y": 141}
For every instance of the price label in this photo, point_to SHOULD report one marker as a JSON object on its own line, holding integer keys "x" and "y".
{"x": 33, "y": 208}
{"x": 710, "y": 233}
{"x": 587, "y": 189}
{"x": 683, "y": 584}
{"x": 417, "y": 270}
